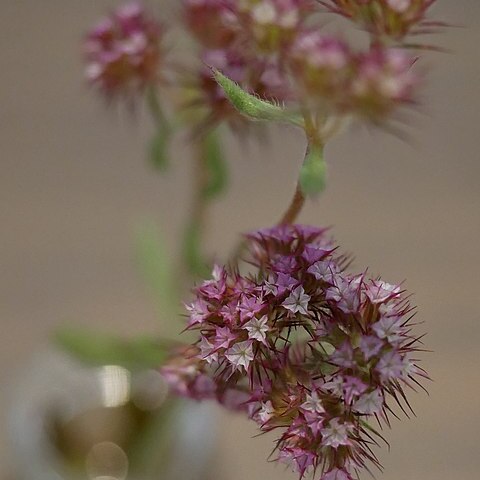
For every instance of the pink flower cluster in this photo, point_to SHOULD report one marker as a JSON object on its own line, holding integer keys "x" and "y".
{"x": 248, "y": 42}
{"x": 275, "y": 49}
{"x": 304, "y": 348}
{"x": 123, "y": 52}
{"x": 371, "y": 84}
{"x": 385, "y": 18}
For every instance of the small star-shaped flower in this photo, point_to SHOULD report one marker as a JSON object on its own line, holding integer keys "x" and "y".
{"x": 389, "y": 328}
{"x": 207, "y": 351}
{"x": 369, "y": 403}
{"x": 380, "y": 292}
{"x": 370, "y": 346}
{"x": 297, "y": 301}
{"x": 224, "y": 337}
{"x": 390, "y": 366}
{"x": 266, "y": 412}
{"x": 336, "y": 474}
{"x": 241, "y": 354}
{"x": 198, "y": 311}
{"x": 313, "y": 403}
{"x": 336, "y": 434}
{"x": 257, "y": 328}
{"x": 353, "y": 387}
{"x": 324, "y": 270}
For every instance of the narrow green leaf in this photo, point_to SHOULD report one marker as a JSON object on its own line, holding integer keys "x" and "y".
{"x": 252, "y": 106}
{"x": 95, "y": 349}
{"x": 154, "y": 262}
{"x": 216, "y": 166}
{"x": 158, "y": 150}
{"x": 313, "y": 172}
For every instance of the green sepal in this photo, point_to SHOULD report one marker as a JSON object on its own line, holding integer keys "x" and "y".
{"x": 215, "y": 165}
{"x": 97, "y": 349}
{"x": 253, "y": 107}
{"x": 313, "y": 172}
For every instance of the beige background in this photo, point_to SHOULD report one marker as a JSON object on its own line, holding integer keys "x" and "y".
{"x": 74, "y": 183}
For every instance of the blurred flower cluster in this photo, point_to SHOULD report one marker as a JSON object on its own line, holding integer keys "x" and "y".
{"x": 392, "y": 19}
{"x": 302, "y": 347}
{"x": 275, "y": 49}
{"x": 371, "y": 84}
{"x": 123, "y": 52}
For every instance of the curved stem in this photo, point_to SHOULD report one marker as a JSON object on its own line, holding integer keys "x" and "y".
{"x": 298, "y": 200}
{"x": 290, "y": 215}
{"x": 295, "y": 207}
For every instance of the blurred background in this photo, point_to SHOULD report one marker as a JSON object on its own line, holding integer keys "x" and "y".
{"x": 74, "y": 185}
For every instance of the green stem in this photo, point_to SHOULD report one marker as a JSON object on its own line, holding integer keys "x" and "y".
{"x": 155, "y": 109}
{"x": 193, "y": 263}
{"x": 158, "y": 151}
{"x": 192, "y": 251}
{"x": 298, "y": 200}
{"x": 295, "y": 207}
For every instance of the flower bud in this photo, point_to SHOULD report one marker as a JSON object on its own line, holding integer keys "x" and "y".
{"x": 257, "y": 76}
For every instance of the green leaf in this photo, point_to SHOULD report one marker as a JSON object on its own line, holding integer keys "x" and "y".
{"x": 313, "y": 172}
{"x": 216, "y": 166}
{"x": 154, "y": 262}
{"x": 96, "y": 349}
{"x": 252, "y": 106}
